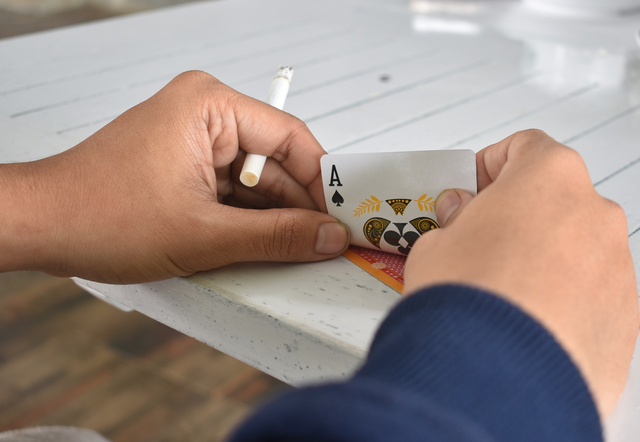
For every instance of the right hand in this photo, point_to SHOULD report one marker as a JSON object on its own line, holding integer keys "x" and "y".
{"x": 539, "y": 235}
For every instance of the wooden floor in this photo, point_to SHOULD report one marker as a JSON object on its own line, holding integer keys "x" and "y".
{"x": 14, "y": 22}
{"x": 67, "y": 358}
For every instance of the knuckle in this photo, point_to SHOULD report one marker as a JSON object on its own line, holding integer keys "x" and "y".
{"x": 534, "y": 141}
{"x": 278, "y": 192}
{"x": 570, "y": 156}
{"x": 195, "y": 78}
{"x": 616, "y": 217}
{"x": 189, "y": 90}
{"x": 298, "y": 128}
{"x": 196, "y": 86}
{"x": 571, "y": 163}
{"x": 529, "y": 135}
{"x": 566, "y": 168}
{"x": 287, "y": 241}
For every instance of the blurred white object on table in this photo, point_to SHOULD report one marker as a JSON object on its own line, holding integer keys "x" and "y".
{"x": 586, "y": 7}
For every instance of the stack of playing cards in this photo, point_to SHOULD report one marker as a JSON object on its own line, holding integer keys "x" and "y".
{"x": 388, "y": 201}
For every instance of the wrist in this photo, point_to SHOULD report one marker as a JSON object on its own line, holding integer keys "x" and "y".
{"x": 25, "y": 224}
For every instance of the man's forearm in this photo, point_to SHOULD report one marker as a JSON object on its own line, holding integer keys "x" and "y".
{"x": 25, "y": 219}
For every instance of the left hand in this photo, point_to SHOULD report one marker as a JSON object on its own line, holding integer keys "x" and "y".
{"x": 154, "y": 194}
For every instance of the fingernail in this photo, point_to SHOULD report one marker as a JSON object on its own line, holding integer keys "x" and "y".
{"x": 332, "y": 238}
{"x": 446, "y": 203}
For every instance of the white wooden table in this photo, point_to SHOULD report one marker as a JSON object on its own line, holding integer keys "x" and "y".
{"x": 370, "y": 76}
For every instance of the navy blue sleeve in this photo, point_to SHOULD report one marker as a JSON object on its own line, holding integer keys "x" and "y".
{"x": 450, "y": 363}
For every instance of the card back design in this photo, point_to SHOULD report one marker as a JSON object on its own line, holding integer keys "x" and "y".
{"x": 385, "y": 267}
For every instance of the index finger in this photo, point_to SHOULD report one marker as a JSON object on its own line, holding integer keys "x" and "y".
{"x": 493, "y": 160}
{"x": 265, "y": 130}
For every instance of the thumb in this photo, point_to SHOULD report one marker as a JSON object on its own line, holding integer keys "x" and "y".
{"x": 293, "y": 235}
{"x": 450, "y": 203}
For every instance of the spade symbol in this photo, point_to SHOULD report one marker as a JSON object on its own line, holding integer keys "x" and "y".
{"x": 337, "y": 199}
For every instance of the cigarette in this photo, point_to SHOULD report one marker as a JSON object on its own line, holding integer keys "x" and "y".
{"x": 253, "y": 164}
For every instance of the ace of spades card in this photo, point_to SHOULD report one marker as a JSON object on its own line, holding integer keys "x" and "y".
{"x": 388, "y": 199}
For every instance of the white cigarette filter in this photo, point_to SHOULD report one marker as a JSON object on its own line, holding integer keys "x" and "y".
{"x": 253, "y": 164}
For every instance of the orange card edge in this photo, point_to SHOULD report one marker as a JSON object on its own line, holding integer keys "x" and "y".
{"x": 378, "y": 274}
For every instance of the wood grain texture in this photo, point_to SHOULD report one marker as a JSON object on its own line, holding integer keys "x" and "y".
{"x": 67, "y": 358}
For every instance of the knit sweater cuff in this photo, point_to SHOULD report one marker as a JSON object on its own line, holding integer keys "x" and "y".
{"x": 475, "y": 353}
{"x": 449, "y": 363}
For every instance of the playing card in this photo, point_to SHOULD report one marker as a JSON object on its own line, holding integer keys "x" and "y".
{"x": 388, "y": 199}
{"x": 386, "y": 267}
